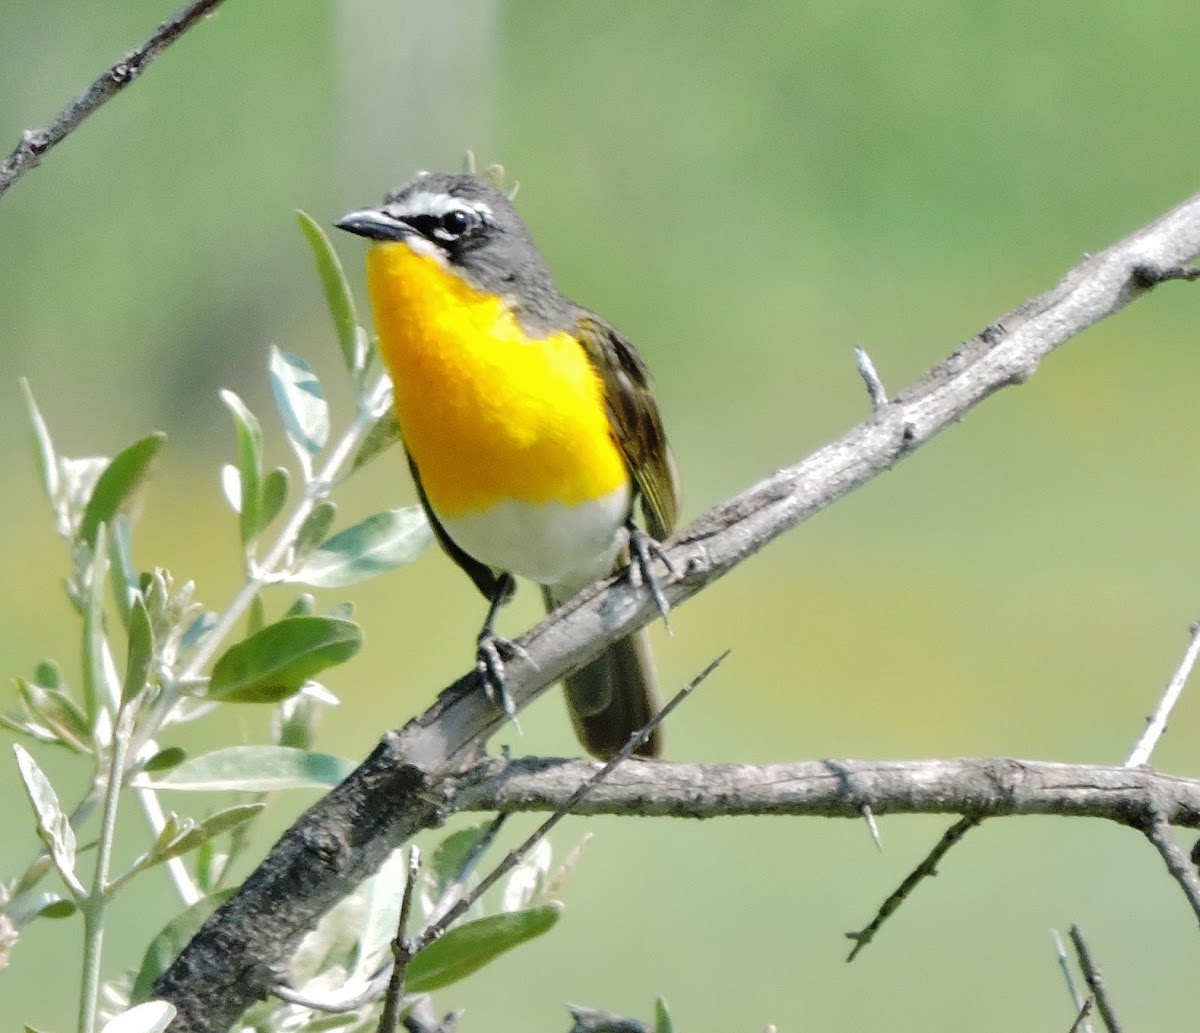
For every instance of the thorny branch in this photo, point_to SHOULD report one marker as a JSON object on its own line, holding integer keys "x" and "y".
{"x": 406, "y": 784}
{"x": 36, "y": 142}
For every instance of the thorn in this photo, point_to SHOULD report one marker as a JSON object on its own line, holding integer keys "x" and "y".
{"x": 866, "y": 370}
{"x": 872, "y": 826}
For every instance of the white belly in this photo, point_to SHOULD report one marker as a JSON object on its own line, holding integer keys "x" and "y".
{"x": 567, "y": 547}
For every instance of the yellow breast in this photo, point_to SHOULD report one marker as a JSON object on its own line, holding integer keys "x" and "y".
{"x": 486, "y": 413}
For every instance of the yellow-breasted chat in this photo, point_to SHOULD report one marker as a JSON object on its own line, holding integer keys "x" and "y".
{"x": 529, "y": 424}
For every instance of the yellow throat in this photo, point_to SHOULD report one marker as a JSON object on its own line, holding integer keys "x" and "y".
{"x": 487, "y": 413}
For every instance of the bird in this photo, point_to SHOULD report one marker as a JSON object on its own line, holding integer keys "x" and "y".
{"x": 529, "y": 424}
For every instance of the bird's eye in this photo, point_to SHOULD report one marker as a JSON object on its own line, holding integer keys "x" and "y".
{"x": 458, "y": 221}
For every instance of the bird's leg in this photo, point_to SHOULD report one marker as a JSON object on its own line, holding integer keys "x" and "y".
{"x": 492, "y": 650}
{"x": 643, "y": 551}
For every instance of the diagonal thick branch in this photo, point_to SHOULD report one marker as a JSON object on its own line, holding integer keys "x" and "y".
{"x": 36, "y": 142}
{"x": 409, "y": 781}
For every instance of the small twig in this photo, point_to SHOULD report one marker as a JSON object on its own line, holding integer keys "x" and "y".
{"x": 402, "y": 948}
{"x": 925, "y": 869}
{"x": 1080, "y": 1025}
{"x": 1158, "y": 831}
{"x": 1081, "y": 1006}
{"x": 872, "y": 825}
{"x": 1156, "y": 724}
{"x": 1095, "y": 982}
{"x": 513, "y": 857}
{"x": 1147, "y": 275}
{"x": 866, "y": 370}
{"x": 36, "y": 142}
{"x": 589, "y": 1020}
{"x": 453, "y": 892}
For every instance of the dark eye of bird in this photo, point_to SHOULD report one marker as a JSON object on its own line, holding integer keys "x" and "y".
{"x": 456, "y": 222}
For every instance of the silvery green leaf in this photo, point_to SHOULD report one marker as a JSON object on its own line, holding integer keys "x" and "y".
{"x": 53, "y": 827}
{"x": 96, "y": 672}
{"x": 276, "y": 661}
{"x": 380, "y": 543}
{"x": 466, "y": 948}
{"x": 254, "y": 769}
{"x": 337, "y": 293}
{"x": 43, "y": 447}
{"x": 314, "y": 529}
{"x": 249, "y": 448}
{"x": 150, "y": 1017}
{"x": 384, "y": 433}
{"x": 299, "y": 400}
{"x": 527, "y": 878}
{"x": 118, "y": 486}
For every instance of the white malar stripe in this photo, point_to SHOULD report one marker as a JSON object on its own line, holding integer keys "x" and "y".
{"x": 566, "y": 547}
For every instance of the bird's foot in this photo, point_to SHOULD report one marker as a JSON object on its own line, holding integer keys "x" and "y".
{"x": 491, "y": 653}
{"x": 643, "y": 551}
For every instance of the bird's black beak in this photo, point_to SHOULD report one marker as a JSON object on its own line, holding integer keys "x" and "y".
{"x": 375, "y": 224}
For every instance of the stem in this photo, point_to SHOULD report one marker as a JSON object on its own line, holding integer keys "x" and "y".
{"x": 266, "y": 571}
{"x": 97, "y": 901}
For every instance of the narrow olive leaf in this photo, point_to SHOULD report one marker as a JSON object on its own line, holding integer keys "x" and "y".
{"x": 39, "y": 733}
{"x": 337, "y": 291}
{"x": 43, "y": 447}
{"x": 254, "y": 769}
{"x": 53, "y": 827}
{"x": 117, "y": 487}
{"x": 51, "y": 905}
{"x": 249, "y": 450}
{"x": 191, "y": 835}
{"x": 274, "y": 494}
{"x": 173, "y": 937}
{"x": 48, "y": 674}
{"x": 120, "y": 557}
{"x": 141, "y": 651}
{"x": 662, "y": 1017}
{"x": 165, "y": 760}
{"x": 256, "y": 619}
{"x": 468, "y": 947}
{"x": 151, "y": 1017}
{"x": 304, "y": 605}
{"x": 95, "y": 673}
{"x": 380, "y": 543}
{"x": 314, "y": 529}
{"x": 231, "y": 486}
{"x": 273, "y": 663}
{"x": 59, "y": 713}
{"x": 384, "y": 433}
{"x": 299, "y": 400}
{"x": 451, "y": 855}
{"x": 196, "y": 631}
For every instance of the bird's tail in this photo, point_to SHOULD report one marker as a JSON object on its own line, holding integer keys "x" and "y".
{"x": 614, "y": 695}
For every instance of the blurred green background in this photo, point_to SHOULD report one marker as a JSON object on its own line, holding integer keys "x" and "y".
{"x": 749, "y": 191}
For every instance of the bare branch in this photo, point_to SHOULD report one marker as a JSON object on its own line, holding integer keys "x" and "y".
{"x": 436, "y": 928}
{"x": 1082, "y": 1006}
{"x": 988, "y": 788}
{"x": 924, "y": 870}
{"x": 1183, "y": 871}
{"x": 36, "y": 142}
{"x": 588, "y": 1020}
{"x": 1095, "y": 980}
{"x": 404, "y": 785}
{"x": 1156, "y": 724}
{"x": 866, "y": 370}
{"x": 1080, "y": 1024}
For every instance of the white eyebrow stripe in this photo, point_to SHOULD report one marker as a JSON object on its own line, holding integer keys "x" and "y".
{"x": 426, "y": 203}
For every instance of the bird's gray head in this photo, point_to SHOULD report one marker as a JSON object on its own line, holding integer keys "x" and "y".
{"x": 468, "y": 225}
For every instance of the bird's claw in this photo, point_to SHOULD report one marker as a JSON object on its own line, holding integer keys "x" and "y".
{"x": 643, "y": 551}
{"x": 490, "y": 657}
